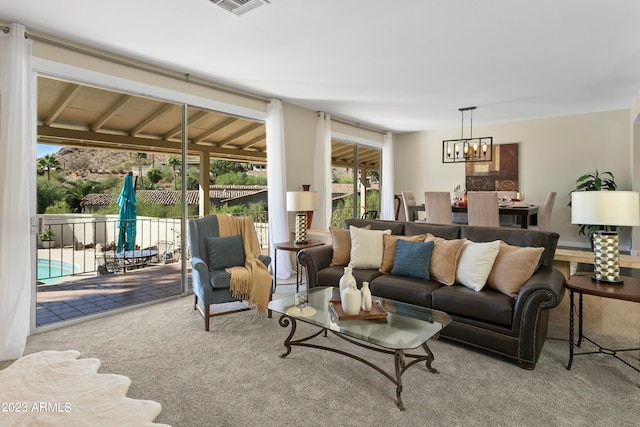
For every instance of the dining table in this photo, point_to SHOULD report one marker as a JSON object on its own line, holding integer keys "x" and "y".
{"x": 526, "y": 214}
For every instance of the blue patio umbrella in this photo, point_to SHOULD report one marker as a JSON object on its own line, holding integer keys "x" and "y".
{"x": 127, "y": 216}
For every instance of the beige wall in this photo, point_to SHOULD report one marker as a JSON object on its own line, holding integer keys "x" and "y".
{"x": 553, "y": 153}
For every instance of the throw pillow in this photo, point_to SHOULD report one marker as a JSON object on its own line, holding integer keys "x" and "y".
{"x": 412, "y": 259}
{"x": 341, "y": 242}
{"x": 389, "y": 249}
{"x": 225, "y": 252}
{"x": 366, "y": 247}
{"x": 514, "y": 265}
{"x": 444, "y": 258}
{"x": 475, "y": 263}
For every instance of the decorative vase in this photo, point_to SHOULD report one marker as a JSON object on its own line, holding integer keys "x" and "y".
{"x": 346, "y": 279}
{"x": 351, "y": 300}
{"x": 366, "y": 297}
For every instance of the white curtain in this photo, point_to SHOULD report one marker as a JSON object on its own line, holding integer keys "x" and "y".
{"x": 17, "y": 153}
{"x": 322, "y": 174}
{"x": 387, "y": 196}
{"x": 276, "y": 181}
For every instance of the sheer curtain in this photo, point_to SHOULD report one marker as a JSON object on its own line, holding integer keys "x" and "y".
{"x": 322, "y": 171}
{"x": 387, "y": 196}
{"x": 276, "y": 181}
{"x": 17, "y": 153}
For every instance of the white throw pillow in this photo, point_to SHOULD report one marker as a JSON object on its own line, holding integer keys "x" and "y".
{"x": 475, "y": 263}
{"x": 367, "y": 247}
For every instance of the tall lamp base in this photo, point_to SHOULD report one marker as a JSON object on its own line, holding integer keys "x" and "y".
{"x": 606, "y": 266}
{"x": 301, "y": 228}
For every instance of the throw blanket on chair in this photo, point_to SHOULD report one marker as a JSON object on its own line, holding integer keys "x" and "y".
{"x": 252, "y": 282}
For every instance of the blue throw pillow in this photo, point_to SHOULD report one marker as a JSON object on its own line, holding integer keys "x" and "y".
{"x": 225, "y": 252}
{"x": 412, "y": 259}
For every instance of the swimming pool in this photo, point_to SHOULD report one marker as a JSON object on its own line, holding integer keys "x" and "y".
{"x": 51, "y": 271}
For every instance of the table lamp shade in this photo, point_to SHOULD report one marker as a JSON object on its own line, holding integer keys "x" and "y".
{"x": 301, "y": 202}
{"x": 614, "y": 208}
{"x": 606, "y": 208}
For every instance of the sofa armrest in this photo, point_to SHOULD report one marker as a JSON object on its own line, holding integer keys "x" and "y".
{"x": 546, "y": 281}
{"x": 266, "y": 260}
{"x": 315, "y": 259}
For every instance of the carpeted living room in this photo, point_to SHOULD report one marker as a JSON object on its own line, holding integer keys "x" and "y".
{"x": 372, "y": 87}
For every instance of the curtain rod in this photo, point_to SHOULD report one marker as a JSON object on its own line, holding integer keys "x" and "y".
{"x": 167, "y": 73}
{"x": 140, "y": 65}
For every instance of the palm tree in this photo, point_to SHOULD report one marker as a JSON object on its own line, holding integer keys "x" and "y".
{"x": 174, "y": 162}
{"x": 77, "y": 191}
{"x": 48, "y": 162}
{"x": 139, "y": 158}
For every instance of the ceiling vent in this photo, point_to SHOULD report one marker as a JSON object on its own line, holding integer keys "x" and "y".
{"x": 239, "y": 7}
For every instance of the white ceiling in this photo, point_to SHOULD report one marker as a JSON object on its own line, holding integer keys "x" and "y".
{"x": 400, "y": 65}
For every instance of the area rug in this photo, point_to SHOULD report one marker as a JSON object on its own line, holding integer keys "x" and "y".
{"x": 55, "y": 388}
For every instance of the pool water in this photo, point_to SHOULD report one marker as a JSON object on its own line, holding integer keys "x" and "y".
{"x": 50, "y": 271}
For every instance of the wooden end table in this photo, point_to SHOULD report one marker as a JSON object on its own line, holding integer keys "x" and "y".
{"x": 291, "y": 246}
{"x": 629, "y": 290}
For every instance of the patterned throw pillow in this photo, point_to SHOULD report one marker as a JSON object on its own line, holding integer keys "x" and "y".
{"x": 514, "y": 265}
{"x": 412, "y": 259}
{"x": 389, "y": 249}
{"x": 444, "y": 258}
{"x": 225, "y": 252}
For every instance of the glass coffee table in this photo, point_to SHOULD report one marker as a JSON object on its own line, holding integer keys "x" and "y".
{"x": 406, "y": 327}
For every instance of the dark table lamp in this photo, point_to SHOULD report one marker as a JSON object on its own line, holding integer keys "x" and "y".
{"x": 608, "y": 209}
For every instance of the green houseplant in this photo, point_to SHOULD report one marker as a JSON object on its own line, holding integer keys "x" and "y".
{"x": 594, "y": 181}
{"x": 47, "y": 238}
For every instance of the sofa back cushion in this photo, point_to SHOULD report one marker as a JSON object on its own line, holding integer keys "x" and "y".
{"x": 445, "y": 231}
{"x": 377, "y": 224}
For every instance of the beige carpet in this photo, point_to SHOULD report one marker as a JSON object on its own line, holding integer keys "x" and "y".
{"x": 55, "y": 388}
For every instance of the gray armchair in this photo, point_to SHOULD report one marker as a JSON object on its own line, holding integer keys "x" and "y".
{"x": 211, "y": 284}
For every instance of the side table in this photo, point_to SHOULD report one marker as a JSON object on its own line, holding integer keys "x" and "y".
{"x": 291, "y": 246}
{"x": 582, "y": 284}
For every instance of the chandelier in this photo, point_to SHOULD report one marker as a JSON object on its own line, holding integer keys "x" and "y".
{"x": 467, "y": 149}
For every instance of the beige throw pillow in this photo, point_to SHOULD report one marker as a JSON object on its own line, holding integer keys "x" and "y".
{"x": 366, "y": 247}
{"x": 475, "y": 263}
{"x": 341, "y": 242}
{"x": 444, "y": 259}
{"x": 513, "y": 266}
{"x": 389, "y": 251}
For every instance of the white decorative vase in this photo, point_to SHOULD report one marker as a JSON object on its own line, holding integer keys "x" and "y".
{"x": 351, "y": 300}
{"x": 346, "y": 279}
{"x": 366, "y": 297}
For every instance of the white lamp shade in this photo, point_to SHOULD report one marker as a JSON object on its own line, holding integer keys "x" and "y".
{"x": 614, "y": 208}
{"x": 302, "y": 201}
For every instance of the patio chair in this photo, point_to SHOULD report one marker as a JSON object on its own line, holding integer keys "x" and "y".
{"x": 110, "y": 263}
{"x": 370, "y": 215}
{"x": 210, "y": 260}
{"x": 167, "y": 253}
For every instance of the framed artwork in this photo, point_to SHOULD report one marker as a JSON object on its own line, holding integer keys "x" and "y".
{"x": 499, "y": 174}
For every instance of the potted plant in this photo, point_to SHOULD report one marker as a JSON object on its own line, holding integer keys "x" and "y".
{"x": 594, "y": 181}
{"x": 47, "y": 238}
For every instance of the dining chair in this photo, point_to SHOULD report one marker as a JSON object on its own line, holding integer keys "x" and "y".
{"x": 437, "y": 206}
{"x": 408, "y": 199}
{"x": 482, "y": 207}
{"x": 544, "y": 215}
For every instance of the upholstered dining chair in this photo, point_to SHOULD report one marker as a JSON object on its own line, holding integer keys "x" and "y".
{"x": 212, "y": 255}
{"x": 437, "y": 206}
{"x": 482, "y": 207}
{"x": 544, "y": 215}
{"x": 408, "y": 199}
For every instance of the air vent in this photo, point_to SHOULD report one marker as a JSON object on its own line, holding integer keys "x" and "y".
{"x": 239, "y": 6}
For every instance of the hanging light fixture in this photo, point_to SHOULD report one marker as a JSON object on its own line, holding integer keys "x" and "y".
{"x": 467, "y": 149}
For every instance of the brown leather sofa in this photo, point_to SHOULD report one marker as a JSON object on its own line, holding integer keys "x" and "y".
{"x": 515, "y": 328}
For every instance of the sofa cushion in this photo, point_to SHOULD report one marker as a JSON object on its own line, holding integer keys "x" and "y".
{"x": 488, "y": 305}
{"x": 377, "y": 224}
{"x": 404, "y": 289}
{"x": 389, "y": 249}
{"x": 412, "y": 259}
{"x": 445, "y": 231}
{"x": 341, "y": 243}
{"x": 366, "y": 247}
{"x": 224, "y": 252}
{"x": 444, "y": 259}
{"x": 513, "y": 267}
{"x": 475, "y": 263}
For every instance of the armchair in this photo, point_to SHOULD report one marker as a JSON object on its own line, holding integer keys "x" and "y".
{"x": 210, "y": 279}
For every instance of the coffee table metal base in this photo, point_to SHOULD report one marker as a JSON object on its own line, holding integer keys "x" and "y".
{"x": 399, "y": 356}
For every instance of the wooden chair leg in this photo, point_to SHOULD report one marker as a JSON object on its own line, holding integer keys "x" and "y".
{"x": 195, "y": 303}
{"x": 207, "y": 317}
